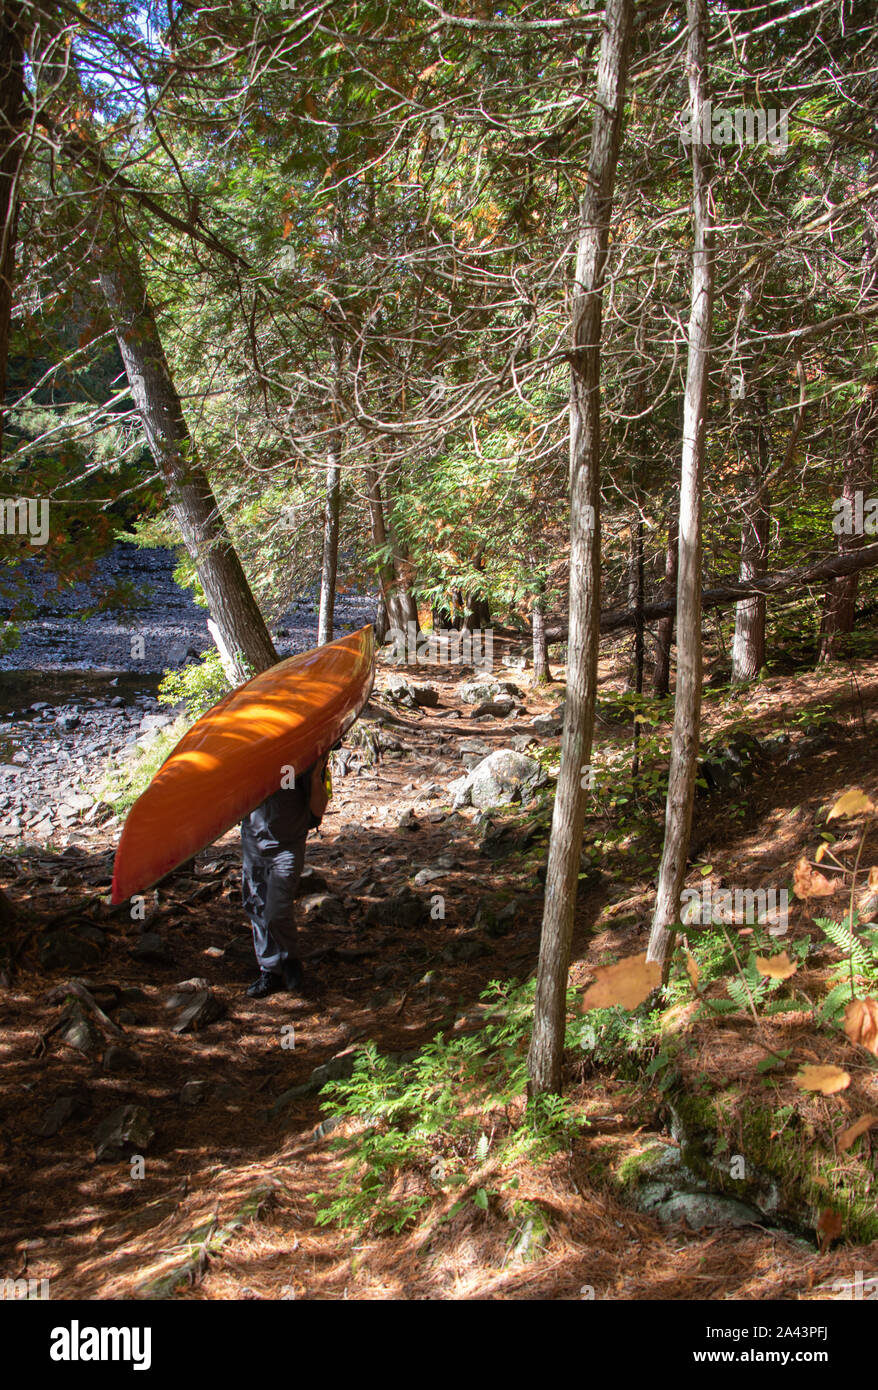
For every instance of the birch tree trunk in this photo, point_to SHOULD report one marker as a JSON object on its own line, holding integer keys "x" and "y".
{"x": 232, "y": 606}
{"x": 11, "y": 117}
{"x": 687, "y": 703}
{"x": 547, "y": 1041}
{"x": 748, "y": 646}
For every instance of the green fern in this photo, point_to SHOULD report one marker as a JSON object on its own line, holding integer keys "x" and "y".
{"x": 851, "y": 945}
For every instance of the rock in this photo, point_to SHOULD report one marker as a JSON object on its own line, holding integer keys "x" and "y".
{"x": 521, "y": 742}
{"x": 473, "y": 745}
{"x": 126, "y": 1130}
{"x": 426, "y": 696}
{"x": 80, "y": 1032}
{"x": 194, "y": 1092}
{"x": 408, "y": 820}
{"x": 474, "y": 692}
{"x": 150, "y": 723}
{"x": 495, "y": 709}
{"x": 402, "y": 909}
{"x": 311, "y": 881}
{"x": 151, "y": 950}
{"x": 500, "y": 779}
{"x": 119, "y": 1059}
{"x": 699, "y": 1210}
{"x": 77, "y": 801}
{"x": 73, "y": 948}
{"x": 66, "y": 723}
{"x": 204, "y": 1008}
{"x": 126, "y": 1018}
{"x": 547, "y": 725}
{"x": 323, "y": 907}
{"x": 57, "y": 1115}
{"x": 401, "y": 692}
{"x": 429, "y": 876}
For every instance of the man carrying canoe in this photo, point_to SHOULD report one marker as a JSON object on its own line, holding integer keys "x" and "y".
{"x": 273, "y": 848}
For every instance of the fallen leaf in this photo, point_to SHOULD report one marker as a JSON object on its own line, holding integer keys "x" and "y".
{"x": 851, "y": 804}
{"x": 850, "y": 1135}
{"x": 829, "y": 1227}
{"x": 867, "y": 906}
{"x": 627, "y": 983}
{"x": 776, "y": 967}
{"x": 808, "y": 883}
{"x": 861, "y": 1023}
{"x": 824, "y": 1078}
{"x": 692, "y": 969}
{"x": 872, "y": 880}
{"x": 821, "y": 850}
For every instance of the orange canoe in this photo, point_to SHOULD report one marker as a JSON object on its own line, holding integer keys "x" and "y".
{"x": 237, "y": 754}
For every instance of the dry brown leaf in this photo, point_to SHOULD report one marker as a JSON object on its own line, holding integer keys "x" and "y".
{"x": 829, "y": 1228}
{"x": 821, "y": 850}
{"x": 627, "y": 983}
{"x": 872, "y": 880}
{"x": 851, "y": 804}
{"x": 861, "y": 1023}
{"x": 776, "y": 967}
{"x": 692, "y": 969}
{"x": 850, "y": 1135}
{"x": 867, "y": 906}
{"x": 824, "y": 1078}
{"x": 808, "y": 883}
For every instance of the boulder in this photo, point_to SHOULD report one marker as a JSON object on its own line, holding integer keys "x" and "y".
{"x": 498, "y": 780}
{"x": 126, "y": 1130}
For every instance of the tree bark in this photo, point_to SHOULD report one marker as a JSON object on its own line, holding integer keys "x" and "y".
{"x": 748, "y": 646}
{"x": 840, "y": 599}
{"x": 547, "y": 1041}
{"x": 11, "y": 150}
{"x": 229, "y": 597}
{"x": 664, "y": 636}
{"x": 397, "y": 597}
{"x": 687, "y": 702}
{"x": 329, "y": 573}
{"x": 829, "y": 566}
{"x": 542, "y": 671}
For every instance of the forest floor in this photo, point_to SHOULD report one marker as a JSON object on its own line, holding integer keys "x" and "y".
{"x": 224, "y": 1206}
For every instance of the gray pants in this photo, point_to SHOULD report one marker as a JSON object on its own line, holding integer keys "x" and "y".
{"x": 269, "y": 880}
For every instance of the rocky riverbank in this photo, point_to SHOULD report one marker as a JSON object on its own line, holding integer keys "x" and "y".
{"x": 78, "y": 691}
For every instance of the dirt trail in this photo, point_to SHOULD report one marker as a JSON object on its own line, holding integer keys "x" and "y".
{"x": 225, "y": 1192}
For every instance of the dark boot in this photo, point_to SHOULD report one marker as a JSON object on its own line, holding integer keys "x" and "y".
{"x": 268, "y": 983}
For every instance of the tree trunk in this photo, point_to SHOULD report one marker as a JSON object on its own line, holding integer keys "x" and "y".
{"x": 547, "y": 1042}
{"x": 638, "y": 640}
{"x": 229, "y": 598}
{"x": 748, "y": 647}
{"x": 687, "y": 702}
{"x": 840, "y": 599}
{"x": 398, "y": 600}
{"x": 11, "y": 148}
{"x": 329, "y": 572}
{"x": 664, "y": 635}
{"x": 542, "y": 671}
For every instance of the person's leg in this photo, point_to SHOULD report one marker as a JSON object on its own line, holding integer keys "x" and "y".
{"x": 255, "y": 874}
{"x": 284, "y": 872}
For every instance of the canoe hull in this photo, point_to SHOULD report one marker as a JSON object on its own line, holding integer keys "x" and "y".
{"x": 238, "y": 753}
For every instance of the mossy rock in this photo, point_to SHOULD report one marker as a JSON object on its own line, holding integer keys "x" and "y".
{"x": 746, "y": 1150}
